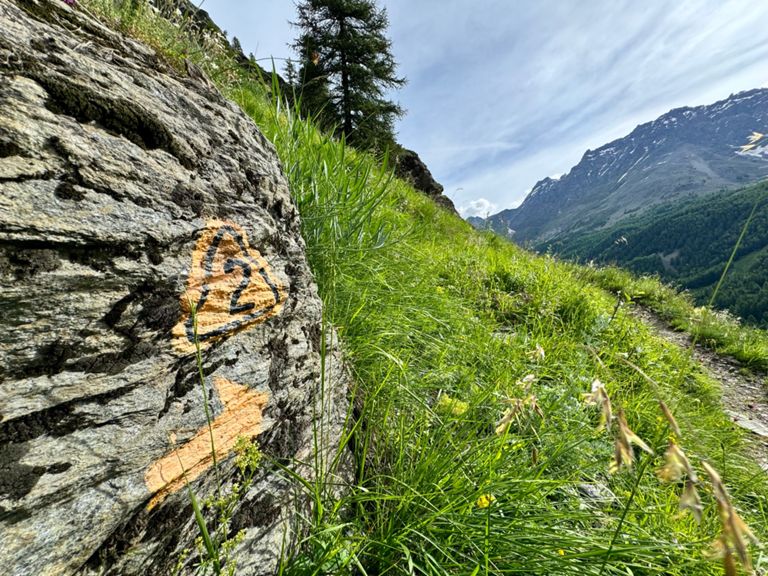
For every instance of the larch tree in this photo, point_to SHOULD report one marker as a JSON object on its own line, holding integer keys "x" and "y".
{"x": 346, "y": 67}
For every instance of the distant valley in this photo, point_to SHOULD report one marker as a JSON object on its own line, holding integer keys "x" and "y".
{"x": 668, "y": 199}
{"x": 686, "y": 152}
{"x": 688, "y": 243}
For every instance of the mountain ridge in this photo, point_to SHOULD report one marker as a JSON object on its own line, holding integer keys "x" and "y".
{"x": 688, "y": 151}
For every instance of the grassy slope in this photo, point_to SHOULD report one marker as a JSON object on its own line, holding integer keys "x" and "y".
{"x": 703, "y": 232}
{"x": 715, "y": 329}
{"x": 440, "y": 324}
{"x": 428, "y": 307}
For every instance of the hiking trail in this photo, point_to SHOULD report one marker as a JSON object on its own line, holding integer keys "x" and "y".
{"x": 744, "y": 393}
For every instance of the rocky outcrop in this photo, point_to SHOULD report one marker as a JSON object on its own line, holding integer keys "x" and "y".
{"x": 129, "y": 197}
{"x": 412, "y": 168}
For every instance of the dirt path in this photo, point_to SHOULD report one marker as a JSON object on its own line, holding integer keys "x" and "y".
{"x": 745, "y": 395}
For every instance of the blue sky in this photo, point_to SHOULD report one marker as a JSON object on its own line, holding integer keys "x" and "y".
{"x": 502, "y": 93}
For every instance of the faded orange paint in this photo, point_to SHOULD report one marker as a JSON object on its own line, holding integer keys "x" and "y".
{"x": 229, "y": 283}
{"x": 242, "y": 416}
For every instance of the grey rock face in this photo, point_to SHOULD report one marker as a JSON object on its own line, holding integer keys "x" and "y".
{"x": 127, "y": 192}
{"x": 411, "y": 167}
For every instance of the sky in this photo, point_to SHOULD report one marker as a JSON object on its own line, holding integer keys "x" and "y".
{"x": 503, "y": 93}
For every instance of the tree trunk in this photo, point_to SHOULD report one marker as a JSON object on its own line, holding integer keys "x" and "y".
{"x": 345, "y": 103}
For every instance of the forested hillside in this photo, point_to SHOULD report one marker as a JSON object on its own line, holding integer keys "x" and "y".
{"x": 689, "y": 243}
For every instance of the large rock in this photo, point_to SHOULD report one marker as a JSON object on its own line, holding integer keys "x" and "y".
{"x": 409, "y": 166}
{"x": 129, "y": 193}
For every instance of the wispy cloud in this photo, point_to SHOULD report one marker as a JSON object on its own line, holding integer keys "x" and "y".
{"x": 502, "y": 93}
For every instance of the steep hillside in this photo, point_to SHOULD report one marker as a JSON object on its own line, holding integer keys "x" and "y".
{"x": 507, "y": 415}
{"x": 689, "y": 243}
{"x": 688, "y": 151}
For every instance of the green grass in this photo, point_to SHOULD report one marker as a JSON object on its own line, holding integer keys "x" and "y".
{"x": 702, "y": 232}
{"x": 717, "y": 330}
{"x": 429, "y": 309}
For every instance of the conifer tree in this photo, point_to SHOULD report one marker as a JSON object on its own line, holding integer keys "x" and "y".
{"x": 346, "y": 66}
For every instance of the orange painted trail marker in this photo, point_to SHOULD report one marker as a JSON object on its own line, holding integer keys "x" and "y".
{"x": 231, "y": 286}
{"x": 242, "y": 416}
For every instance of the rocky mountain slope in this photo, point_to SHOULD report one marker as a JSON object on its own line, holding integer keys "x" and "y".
{"x": 688, "y": 151}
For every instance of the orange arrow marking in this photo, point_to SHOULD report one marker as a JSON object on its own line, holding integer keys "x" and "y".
{"x": 242, "y": 416}
{"x": 229, "y": 283}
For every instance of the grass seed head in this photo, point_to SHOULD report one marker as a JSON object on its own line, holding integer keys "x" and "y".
{"x": 676, "y": 465}
{"x": 624, "y": 455}
{"x": 670, "y": 419}
{"x": 690, "y": 500}
{"x": 735, "y": 532}
{"x": 599, "y": 397}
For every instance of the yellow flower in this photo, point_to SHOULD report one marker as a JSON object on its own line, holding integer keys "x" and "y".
{"x": 485, "y": 500}
{"x": 447, "y": 405}
{"x": 561, "y": 552}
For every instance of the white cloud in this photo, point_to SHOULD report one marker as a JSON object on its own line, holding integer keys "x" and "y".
{"x": 479, "y": 207}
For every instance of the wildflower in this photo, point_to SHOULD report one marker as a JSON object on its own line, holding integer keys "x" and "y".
{"x": 561, "y": 552}
{"x": 732, "y": 539}
{"x": 452, "y": 406}
{"x": 599, "y": 397}
{"x": 624, "y": 455}
{"x": 485, "y": 500}
{"x": 69, "y": 2}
